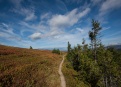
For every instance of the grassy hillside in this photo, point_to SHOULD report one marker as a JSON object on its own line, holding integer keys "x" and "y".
{"x": 28, "y": 68}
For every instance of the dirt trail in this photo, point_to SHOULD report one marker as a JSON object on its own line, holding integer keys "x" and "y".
{"x": 63, "y": 82}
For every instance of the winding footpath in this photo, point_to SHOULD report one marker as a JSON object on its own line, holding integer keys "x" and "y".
{"x": 63, "y": 82}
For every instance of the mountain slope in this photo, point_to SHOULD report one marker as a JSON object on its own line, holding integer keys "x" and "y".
{"x": 28, "y": 67}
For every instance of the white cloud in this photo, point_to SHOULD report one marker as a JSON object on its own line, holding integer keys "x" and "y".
{"x": 95, "y": 2}
{"x": 109, "y": 5}
{"x": 7, "y": 32}
{"x": 6, "y": 29}
{"x": 30, "y": 14}
{"x": 45, "y": 16}
{"x": 74, "y": 36}
{"x": 34, "y": 27}
{"x": 80, "y": 30}
{"x": 35, "y": 36}
{"x": 114, "y": 34}
{"x": 5, "y": 25}
{"x": 69, "y": 19}
{"x": 104, "y": 28}
{"x": 111, "y": 40}
{"x": 30, "y": 17}
{"x": 55, "y": 26}
{"x": 27, "y": 12}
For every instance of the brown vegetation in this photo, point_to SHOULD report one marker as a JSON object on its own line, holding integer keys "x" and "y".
{"x": 27, "y": 67}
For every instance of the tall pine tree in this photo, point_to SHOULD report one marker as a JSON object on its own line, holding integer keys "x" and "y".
{"x": 93, "y": 35}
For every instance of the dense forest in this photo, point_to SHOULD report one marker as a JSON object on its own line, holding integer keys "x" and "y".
{"x": 96, "y": 64}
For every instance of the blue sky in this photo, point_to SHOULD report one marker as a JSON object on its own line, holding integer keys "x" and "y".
{"x": 52, "y": 23}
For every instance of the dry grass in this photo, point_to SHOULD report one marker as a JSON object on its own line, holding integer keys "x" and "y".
{"x": 21, "y": 67}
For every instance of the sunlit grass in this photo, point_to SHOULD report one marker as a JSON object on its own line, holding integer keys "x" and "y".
{"x": 26, "y": 67}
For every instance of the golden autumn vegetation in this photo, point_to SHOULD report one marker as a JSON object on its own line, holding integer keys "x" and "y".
{"x": 20, "y": 67}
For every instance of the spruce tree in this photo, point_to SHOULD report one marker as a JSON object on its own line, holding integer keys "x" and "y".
{"x": 93, "y": 36}
{"x": 69, "y": 47}
{"x": 31, "y": 47}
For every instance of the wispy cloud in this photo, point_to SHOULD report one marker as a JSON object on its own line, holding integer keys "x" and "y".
{"x": 30, "y": 14}
{"x": 5, "y": 25}
{"x": 109, "y": 5}
{"x": 54, "y": 25}
{"x": 7, "y": 32}
{"x": 105, "y": 28}
{"x": 80, "y": 30}
{"x": 61, "y": 6}
{"x": 114, "y": 34}
{"x": 45, "y": 16}
{"x": 69, "y": 19}
{"x": 39, "y": 27}
{"x": 96, "y": 2}
{"x": 27, "y": 12}
{"x": 35, "y": 36}
{"x": 112, "y": 41}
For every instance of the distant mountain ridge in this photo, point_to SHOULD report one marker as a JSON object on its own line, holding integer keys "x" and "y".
{"x": 60, "y": 48}
{"x": 118, "y": 47}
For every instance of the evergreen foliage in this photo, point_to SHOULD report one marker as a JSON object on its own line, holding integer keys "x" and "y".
{"x": 69, "y": 47}
{"x": 96, "y": 66}
{"x": 94, "y": 37}
{"x": 31, "y": 47}
{"x": 57, "y": 51}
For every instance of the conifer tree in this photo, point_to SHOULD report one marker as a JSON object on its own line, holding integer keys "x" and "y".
{"x": 31, "y": 47}
{"x": 93, "y": 35}
{"x": 69, "y": 47}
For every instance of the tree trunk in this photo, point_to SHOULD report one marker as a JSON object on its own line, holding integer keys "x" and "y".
{"x": 106, "y": 82}
{"x": 95, "y": 49}
{"x": 111, "y": 85}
